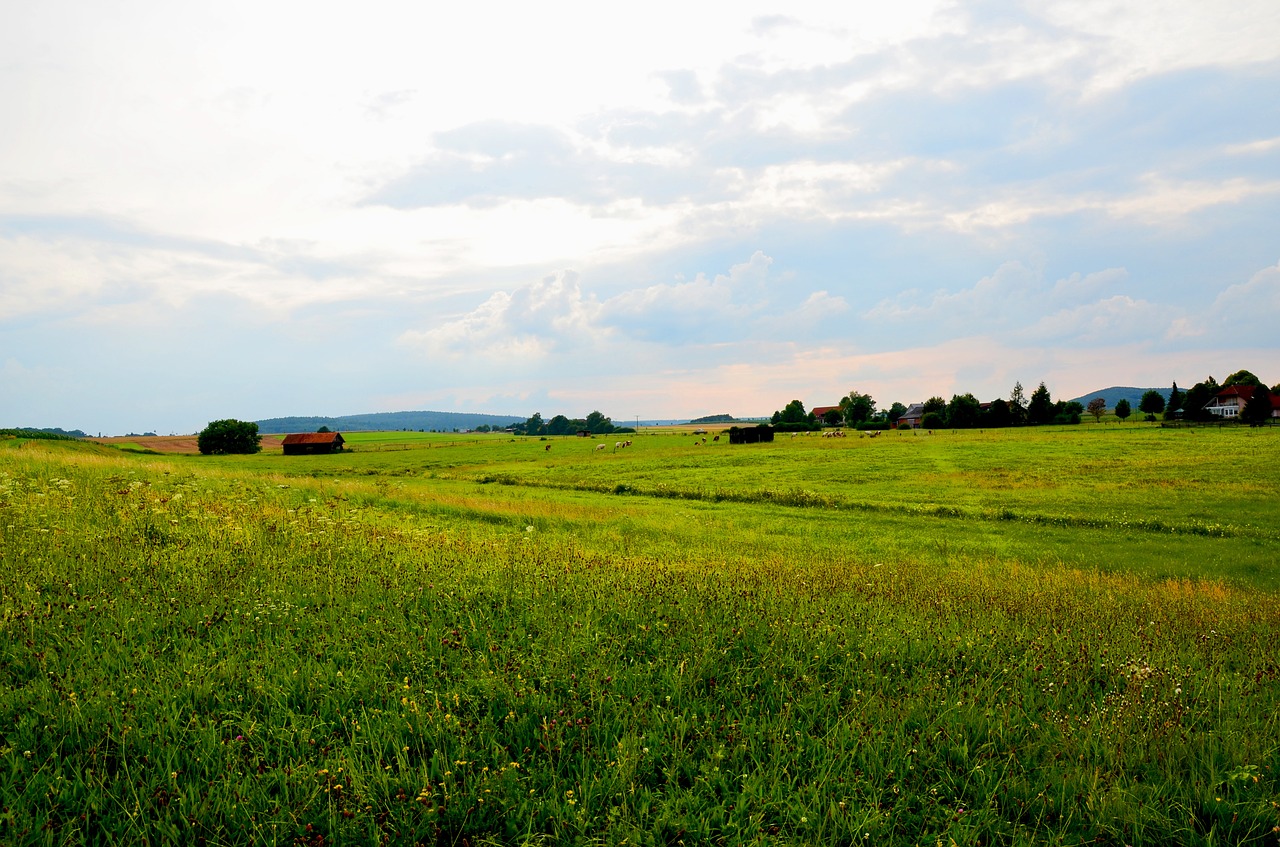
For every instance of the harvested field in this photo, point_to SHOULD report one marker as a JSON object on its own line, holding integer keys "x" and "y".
{"x": 173, "y": 443}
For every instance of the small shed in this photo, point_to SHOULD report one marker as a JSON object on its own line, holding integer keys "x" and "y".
{"x": 751, "y": 434}
{"x": 308, "y": 443}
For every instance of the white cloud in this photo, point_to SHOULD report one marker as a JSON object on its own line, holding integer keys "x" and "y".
{"x": 527, "y": 324}
{"x": 555, "y": 315}
{"x": 1250, "y": 311}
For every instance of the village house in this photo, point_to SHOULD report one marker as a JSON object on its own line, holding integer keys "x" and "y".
{"x": 910, "y": 419}
{"x": 1230, "y": 402}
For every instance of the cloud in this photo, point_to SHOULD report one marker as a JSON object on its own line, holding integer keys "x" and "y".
{"x": 1249, "y": 311}
{"x": 554, "y": 316}
{"x": 1111, "y": 319}
{"x": 550, "y": 315}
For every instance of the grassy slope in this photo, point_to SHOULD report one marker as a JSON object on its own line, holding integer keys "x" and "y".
{"x": 208, "y": 648}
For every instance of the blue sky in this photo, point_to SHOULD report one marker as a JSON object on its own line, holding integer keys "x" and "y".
{"x": 302, "y": 208}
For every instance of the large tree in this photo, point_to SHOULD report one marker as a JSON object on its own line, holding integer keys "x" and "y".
{"x": 1097, "y": 407}
{"x": 896, "y": 410}
{"x": 1257, "y": 409}
{"x": 997, "y": 413}
{"x": 1152, "y": 404}
{"x": 560, "y": 425}
{"x": 1197, "y": 397}
{"x": 1018, "y": 404}
{"x": 935, "y": 404}
{"x": 1242, "y": 378}
{"x": 964, "y": 411}
{"x": 793, "y": 414}
{"x": 1040, "y": 410}
{"x": 857, "y": 407}
{"x": 1174, "y": 406}
{"x": 1123, "y": 410}
{"x": 229, "y": 436}
{"x": 598, "y": 423}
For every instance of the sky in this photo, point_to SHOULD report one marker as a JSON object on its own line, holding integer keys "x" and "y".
{"x": 663, "y": 210}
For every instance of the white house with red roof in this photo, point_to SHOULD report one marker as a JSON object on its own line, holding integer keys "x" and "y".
{"x": 1229, "y": 402}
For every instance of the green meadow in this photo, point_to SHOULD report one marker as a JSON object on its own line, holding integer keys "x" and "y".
{"x": 1035, "y": 636}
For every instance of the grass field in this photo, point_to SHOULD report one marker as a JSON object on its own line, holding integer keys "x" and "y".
{"x": 1018, "y": 637}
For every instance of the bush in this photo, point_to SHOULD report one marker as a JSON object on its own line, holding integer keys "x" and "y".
{"x": 933, "y": 420}
{"x": 229, "y": 436}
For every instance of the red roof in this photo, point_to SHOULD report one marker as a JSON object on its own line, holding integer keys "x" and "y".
{"x": 1245, "y": 393}
{"x": 314, "y": 438}
{"x": 819, "y": 411}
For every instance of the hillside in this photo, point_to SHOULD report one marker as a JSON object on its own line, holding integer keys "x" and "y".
{"x": 386, "y": 421}
{"x": 1116, "y": 393}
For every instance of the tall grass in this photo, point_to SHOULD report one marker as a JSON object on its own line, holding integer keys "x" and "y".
{"x": 225, "y": 652}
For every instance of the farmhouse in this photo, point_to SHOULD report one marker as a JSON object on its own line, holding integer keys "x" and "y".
{"x": 820, "y": 412}
{"x": 1230, "y": 402}
{"x": 306, "y": 443}
{"x": 910, "y": 419}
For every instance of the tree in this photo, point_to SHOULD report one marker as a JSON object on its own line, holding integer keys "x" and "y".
{"x": 1174, "y": 406}
{"x": 832, "y": 417}
{"x": 1152, "y": 404}
{"x": 793, "y": 414}
{"x": 1242, "y": 378}
{"x": 933, "y": 420}
{"x": 1067, "y": 412}
{"x": 933, "y": 404}
{"x": 533, "y": 426}
{"x": 896, "y": 410}
{"x": 1257, "y": 409}
{"x": 1040, "y": 410}
{"x": 1122, "y": 409}
{"x": 997, "y": 414}
{"x": 598, "y": 423}
{"x": 1197, "y": 397}
{"x": 857, "y": 407}
{"x": 964, "y": 411}
{"x": 1097, "y": 407}
{"x": 560, "y": 425}
{"x": 1018, "y": 404}
{"x": 229, "y": 436}
{"x": 324, "y": 429}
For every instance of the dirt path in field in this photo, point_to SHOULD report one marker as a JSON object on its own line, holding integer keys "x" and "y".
{"x": 176, "y": 443}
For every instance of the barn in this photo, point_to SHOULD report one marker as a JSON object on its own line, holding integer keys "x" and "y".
{"x": 308, "y": 443}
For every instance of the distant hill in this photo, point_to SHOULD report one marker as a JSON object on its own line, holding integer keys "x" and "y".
{"x": 1116, "y": 393}
{"x": 387, "y": 421}
{"x": 710, "y": 419}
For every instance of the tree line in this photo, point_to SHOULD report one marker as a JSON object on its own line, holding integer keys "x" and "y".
{"x": 596, "y": 423}
{"x": 964, "y": 411}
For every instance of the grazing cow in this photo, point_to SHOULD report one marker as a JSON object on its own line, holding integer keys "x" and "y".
{"x": 548, "y": 448}
{"x": 599, "y": 447}
{"x": 717, "y": 438}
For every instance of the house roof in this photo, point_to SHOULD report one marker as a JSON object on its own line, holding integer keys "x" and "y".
{"x": 819, "y": 411}
{"x": 915, "y": 410}
{"x": 314, "y": 438}
{"x": 1245, "y": 394}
